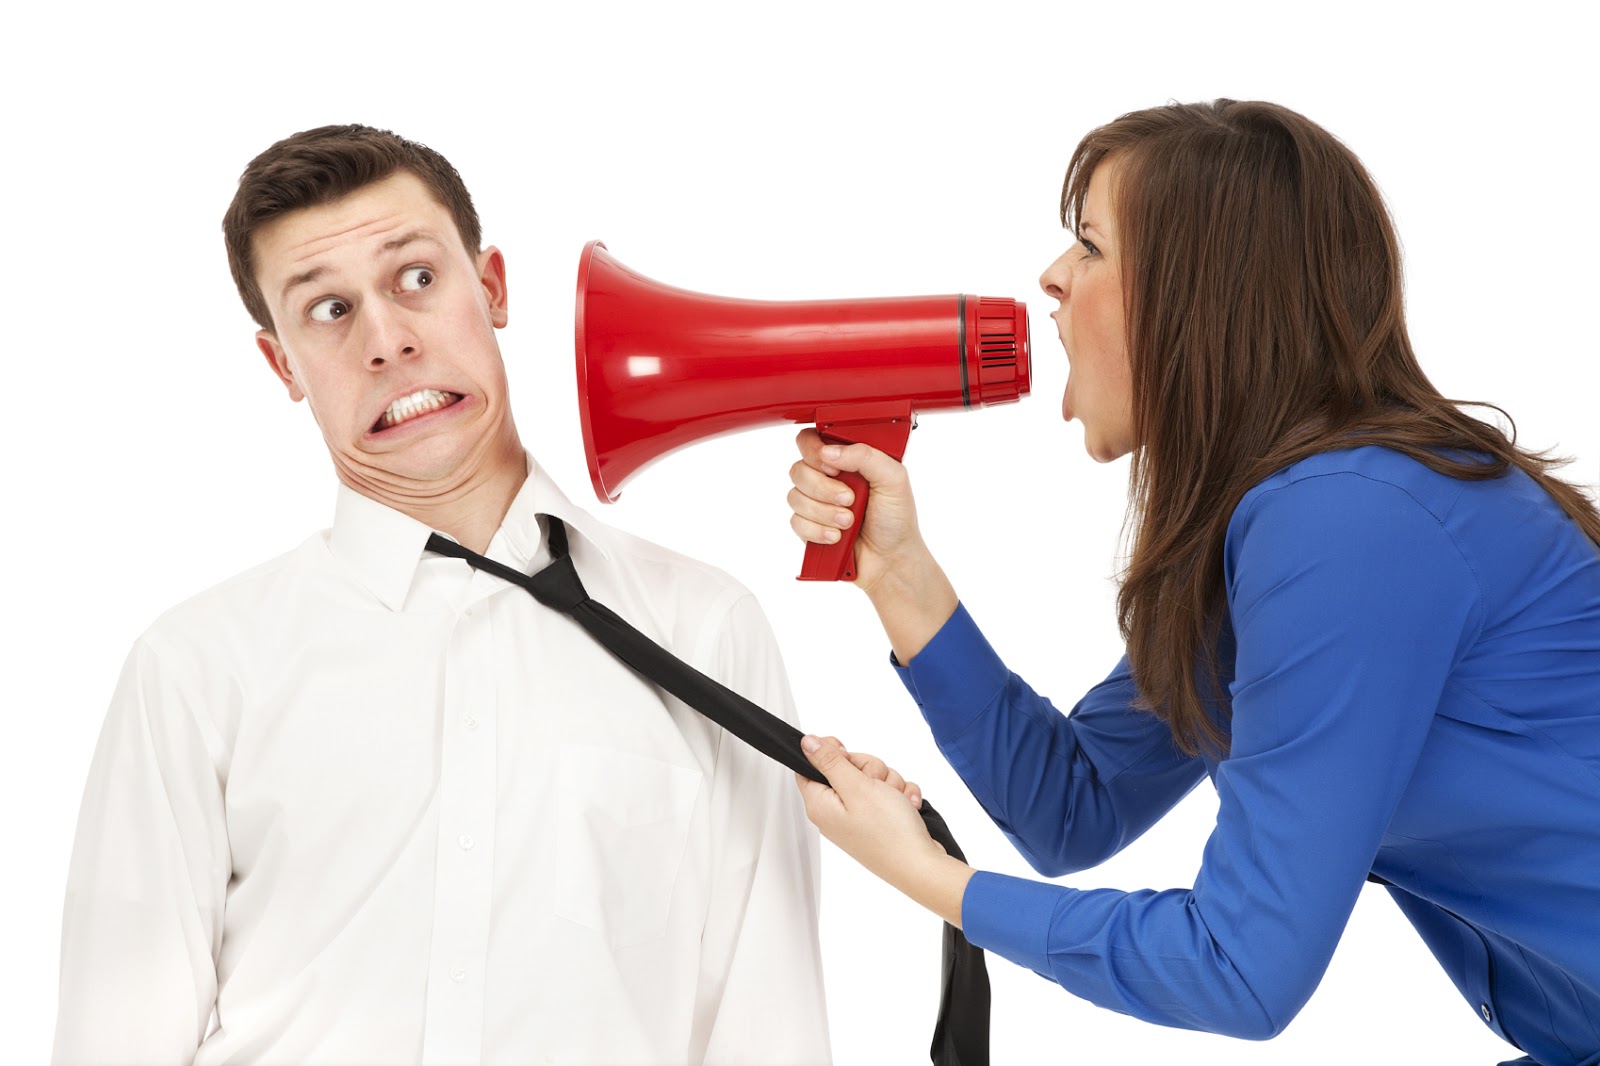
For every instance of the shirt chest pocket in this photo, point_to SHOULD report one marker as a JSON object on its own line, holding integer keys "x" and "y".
{"x": 622, "y": 827}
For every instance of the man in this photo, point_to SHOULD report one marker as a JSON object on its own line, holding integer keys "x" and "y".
{"x": 364, "y": 804}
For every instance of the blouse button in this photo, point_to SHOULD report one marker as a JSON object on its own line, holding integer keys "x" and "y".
{"x": 1488, "y": 1016}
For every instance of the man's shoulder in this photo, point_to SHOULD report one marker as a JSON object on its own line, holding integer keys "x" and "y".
{"x": 242, "y": 602}
{"x": 683, "y": 600}
{"x": 670, "y": 570}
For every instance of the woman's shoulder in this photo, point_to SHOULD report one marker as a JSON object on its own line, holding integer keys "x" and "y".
{"x": 1366, "y": 494}
{"x": 1368, "y": 471}
{"x": 1389, "y": 501}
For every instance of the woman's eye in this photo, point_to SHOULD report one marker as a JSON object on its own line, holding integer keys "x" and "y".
{"x": 414, "y": 278}
{"x": 1088, "y": 246}
{"x": 329, "y": 310}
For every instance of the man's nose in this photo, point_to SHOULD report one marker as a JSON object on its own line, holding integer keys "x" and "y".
{"x": 392, "y": 334}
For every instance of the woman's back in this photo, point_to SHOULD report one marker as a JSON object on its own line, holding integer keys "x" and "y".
{"x": 1487, "y": 594}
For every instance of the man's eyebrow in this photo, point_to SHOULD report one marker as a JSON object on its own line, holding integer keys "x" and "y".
{"x": 304, "y": 278}
{"x": 308, "y": 276}
{"x": 409, "y": 238}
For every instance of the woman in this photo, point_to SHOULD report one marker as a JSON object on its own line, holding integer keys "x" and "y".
{"x": 1369, "y": 618}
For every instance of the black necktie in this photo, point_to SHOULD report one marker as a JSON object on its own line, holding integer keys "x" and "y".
{"x": 961, "y": 1034}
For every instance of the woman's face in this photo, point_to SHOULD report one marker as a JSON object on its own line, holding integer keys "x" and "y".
{"x": 1087, "y": 283}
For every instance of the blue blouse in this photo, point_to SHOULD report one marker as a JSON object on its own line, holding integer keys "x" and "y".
{"x": 1414, "y": 670}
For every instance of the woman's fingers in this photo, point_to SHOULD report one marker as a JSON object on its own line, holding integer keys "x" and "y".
{"x": 814, "y": 521}
{"x": 810, "y": 443}
{"x": 872, "y": 823}
{"x": 870, "y": 765}
{"x": 876, "y": 768}
{"x": 821, "y": 504}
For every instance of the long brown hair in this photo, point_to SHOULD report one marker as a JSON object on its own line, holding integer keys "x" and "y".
{"x": 1262, "y": 290}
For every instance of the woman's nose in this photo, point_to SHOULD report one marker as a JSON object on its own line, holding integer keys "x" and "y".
{"x": 1056, "y": 281}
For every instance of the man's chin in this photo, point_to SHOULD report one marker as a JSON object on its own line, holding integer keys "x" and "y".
{"x": 423, "y": 468}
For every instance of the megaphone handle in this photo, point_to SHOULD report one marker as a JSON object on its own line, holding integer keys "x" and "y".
{"x": 886, "y": 427}
{"x": 837, "y": 561}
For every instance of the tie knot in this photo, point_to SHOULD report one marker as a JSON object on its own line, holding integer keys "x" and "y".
{"x": 558, "y": 586}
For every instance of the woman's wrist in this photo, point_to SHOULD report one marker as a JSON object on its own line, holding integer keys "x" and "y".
{"x": 914, "y": 600}
{"x": 940, "y": 886}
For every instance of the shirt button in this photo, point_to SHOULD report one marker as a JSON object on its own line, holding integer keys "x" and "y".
{"x": 470, "y": 722}
{"x": 457, "y": 974}
{"x": 467, "y": 842}
{"x": 1488, "y": 1015}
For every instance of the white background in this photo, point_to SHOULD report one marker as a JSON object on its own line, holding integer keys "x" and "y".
{"x": 768, "y": 151}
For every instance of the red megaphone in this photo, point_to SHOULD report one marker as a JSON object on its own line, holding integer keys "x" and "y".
{"x": 660, "y": 367}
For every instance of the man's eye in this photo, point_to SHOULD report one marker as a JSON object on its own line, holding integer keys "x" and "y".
{"x": 329, "y": 310}
{"x": 414, "y": 278}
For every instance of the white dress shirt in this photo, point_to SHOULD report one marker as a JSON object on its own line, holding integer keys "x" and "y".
{"x": 371, "y": 806}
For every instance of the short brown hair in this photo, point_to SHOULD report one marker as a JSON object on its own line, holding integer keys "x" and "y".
{"x": 319, "y": 166}
{"x": 1265, "y": 321}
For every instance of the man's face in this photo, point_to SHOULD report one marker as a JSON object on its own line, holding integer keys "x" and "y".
{"x": 384, "y": 325}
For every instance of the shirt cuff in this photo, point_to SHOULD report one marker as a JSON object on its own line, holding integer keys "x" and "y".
{"x": 955, "y": 675}
{"x": 1011, "y": 916}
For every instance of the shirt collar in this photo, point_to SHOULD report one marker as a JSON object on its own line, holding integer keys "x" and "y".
{"x": 539, "y": 496}
{"x": 383, "y": 547}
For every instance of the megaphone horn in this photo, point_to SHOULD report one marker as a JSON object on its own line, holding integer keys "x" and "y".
{"x": 661, "y": 367}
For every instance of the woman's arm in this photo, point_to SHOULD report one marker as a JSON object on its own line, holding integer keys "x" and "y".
{"x": 1070, "y": 790}
{"x": 1350, "y": 605}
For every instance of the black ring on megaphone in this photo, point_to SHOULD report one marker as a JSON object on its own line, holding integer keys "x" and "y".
{"x": 961, "y": 346}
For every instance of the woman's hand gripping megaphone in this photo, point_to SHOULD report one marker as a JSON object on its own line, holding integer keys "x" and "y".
{"x": 893, "y": 564}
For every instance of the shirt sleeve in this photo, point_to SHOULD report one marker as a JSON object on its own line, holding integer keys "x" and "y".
{"x": 1069, "y": 790}
{"x": 145, "y": 891}
{"x": 1350, "y": 605}
{"x": 760, "y": 1000}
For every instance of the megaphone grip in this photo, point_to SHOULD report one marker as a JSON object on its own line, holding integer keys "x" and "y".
{"x": 837, "y": 561}
{"x": 887, "y": 427}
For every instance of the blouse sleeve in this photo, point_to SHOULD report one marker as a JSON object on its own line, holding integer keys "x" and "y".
{"x": 1070, "y": 790}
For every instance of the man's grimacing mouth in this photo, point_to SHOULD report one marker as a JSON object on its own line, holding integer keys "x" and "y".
{"x": 417, "y": 404}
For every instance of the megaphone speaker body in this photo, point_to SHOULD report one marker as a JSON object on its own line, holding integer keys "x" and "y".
{"x": 660, "y": 367}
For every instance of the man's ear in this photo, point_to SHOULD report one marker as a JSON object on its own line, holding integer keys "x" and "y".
{"x": 278, "y": 360}
{"x": 492, "y": 273}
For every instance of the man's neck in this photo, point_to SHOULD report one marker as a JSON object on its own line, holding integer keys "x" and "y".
{"x": 470, "y": 509}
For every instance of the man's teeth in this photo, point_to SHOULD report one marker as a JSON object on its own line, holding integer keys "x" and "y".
{"x": 418, "y": 403}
